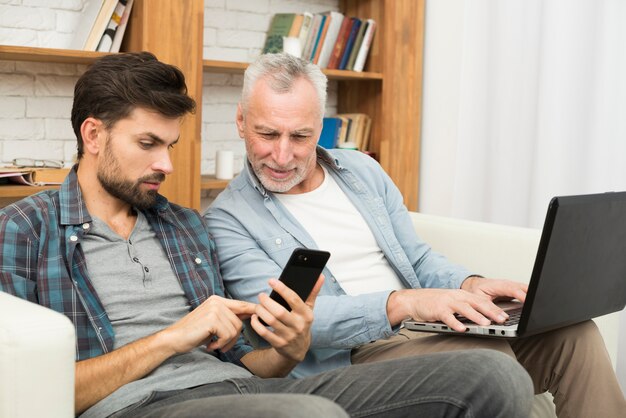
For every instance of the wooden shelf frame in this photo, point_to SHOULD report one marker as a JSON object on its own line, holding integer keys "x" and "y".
{"x": 52, "y": 55}
{"x": 217, "y": 66}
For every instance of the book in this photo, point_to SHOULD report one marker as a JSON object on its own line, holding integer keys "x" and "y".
{"x": 359, "y": 62}
{"x": 312, "y": 36}
{"x": 280, "y": 26}
{"x": 359, "y": 127}
{"x": 365, "y": 141}
{"x": 340, "y": 43}
{"x": 330, "y": 133}
{"x": 307, "y": 20}
{"x": 350, "y": 43}
{"x": 321, "y": 34}
{"x": 33, "y": 176}
{"x": 355, "y": 48}
{"x": 343, "y": 133}
{"x": 88, "y": 16}
{"x": 99, "y": 26}
{"x": 109, "y": 33}
{"x": 121, "y": 29}
{"x": 335, "y": 20}
{"x": 294, "y": 31}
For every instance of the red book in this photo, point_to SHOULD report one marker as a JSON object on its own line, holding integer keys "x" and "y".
{"x": 340, "y": 44}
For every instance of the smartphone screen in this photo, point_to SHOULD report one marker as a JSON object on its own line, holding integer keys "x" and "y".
{"x": 301, "y": 273}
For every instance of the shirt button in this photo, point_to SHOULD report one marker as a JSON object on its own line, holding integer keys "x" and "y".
{"x": 73, "y": 238}
{"x": 85, "y": 226}
{"x": 279, "y": 241}
{"x": 135, "y": 259}
{"x": 198, "y": 260}
{"x": 146, "y": 269}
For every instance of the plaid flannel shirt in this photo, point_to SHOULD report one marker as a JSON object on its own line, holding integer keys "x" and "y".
{"x": 41, "y": 260}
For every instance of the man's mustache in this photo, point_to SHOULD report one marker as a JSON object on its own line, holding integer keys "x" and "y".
{"x": 152, "y": 178}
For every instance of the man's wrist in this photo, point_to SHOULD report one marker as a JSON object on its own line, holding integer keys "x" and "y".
{"x": 469, "y": 281}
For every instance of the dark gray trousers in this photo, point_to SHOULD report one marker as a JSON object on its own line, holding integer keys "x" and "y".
{"x": 475, "y": 383}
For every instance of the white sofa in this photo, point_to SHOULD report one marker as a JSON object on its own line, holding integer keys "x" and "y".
{"x": 37, "y": 345}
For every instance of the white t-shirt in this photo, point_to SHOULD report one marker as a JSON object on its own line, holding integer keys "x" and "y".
{"x": 334, "y": 223}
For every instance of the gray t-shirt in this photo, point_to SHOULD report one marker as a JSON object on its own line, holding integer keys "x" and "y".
{"x": 141, "y": 295}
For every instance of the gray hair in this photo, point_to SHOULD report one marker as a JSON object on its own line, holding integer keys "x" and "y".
{"x": 281, "y": 71}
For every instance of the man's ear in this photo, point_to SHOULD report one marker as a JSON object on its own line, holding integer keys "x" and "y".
{"x": 90, "y": 131}
{"x": 239, "y": 120}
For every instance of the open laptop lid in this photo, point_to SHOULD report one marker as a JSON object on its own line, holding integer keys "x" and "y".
{"x": 580, "y": 268}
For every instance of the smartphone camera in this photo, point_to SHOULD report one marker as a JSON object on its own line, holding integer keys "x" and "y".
{"x": 303, "y": 258}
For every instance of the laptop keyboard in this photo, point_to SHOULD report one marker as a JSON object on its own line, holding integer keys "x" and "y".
{"x": 514, "y": 315}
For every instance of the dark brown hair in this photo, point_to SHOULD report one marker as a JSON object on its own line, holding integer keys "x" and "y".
{"x": 114, "y": 85}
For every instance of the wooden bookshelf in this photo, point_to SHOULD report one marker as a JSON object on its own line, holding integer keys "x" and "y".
{"x": 389, "y": 90}
{"x": 57, "y": 56}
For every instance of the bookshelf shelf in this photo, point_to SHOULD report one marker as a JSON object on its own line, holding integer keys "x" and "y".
{"x": 211, "y": 183}
{"x": 14, "y": 191}
{"x": 216, "y": 66}
{"x": 58, "y": 56}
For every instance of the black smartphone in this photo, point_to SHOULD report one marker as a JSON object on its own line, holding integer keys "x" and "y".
{"x": 301, "y": 273}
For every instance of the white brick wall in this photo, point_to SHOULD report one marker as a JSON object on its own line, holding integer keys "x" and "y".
{"x": 36, "y": 98}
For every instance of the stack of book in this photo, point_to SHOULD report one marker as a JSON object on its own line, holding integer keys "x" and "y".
{"x": 330, "y": 40}
{"x": 32, "y": 176}
{"x": 102, "y": 25}
{"x": 346, "y": 130}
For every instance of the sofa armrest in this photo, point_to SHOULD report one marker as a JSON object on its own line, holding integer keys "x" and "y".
{"x": 37, "y": 349}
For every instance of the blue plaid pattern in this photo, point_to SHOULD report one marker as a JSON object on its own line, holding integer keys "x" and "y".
{"x": 41, "y": 260}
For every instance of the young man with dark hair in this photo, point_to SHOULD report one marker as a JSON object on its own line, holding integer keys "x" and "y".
{"x": 139, "y": 279}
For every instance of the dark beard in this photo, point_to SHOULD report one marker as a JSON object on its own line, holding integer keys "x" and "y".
{"x": 129, "y": 191}
{"x": 126, "y": 190}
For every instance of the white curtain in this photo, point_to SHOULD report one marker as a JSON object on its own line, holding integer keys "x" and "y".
{"x": 523, "y": 100}
{"x": 542, "y": 106}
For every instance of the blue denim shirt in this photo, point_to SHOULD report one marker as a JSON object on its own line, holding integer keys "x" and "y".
{"x": 255, "y": 235}
{"x": 41, "y": 260}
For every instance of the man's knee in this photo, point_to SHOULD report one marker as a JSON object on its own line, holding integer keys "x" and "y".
{"x": 503, "y": 383}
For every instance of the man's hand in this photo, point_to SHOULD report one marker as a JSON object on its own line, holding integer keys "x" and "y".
{"x": 475, "y": 301}
{"x": 290, "y": 332}
{"x": 216, "y": 323}
{"x": 496, "y": 289}
{"x": 290, "y": 335}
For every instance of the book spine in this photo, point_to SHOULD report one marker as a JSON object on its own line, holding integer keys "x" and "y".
{"x": 315, "y": 27}
{"x": 109, "y": 33}
{"x": 340, "y": 43}
{"x": 315, "y": 54}
{"x": 307, "y": 20}
{"x": 121, "y": 29}
{"x": 359, "y": 62}
{"x": 336, "y": 20}
{"x": 356, "y": 46}
{"x": 294, "y": 31}
{"x": 350, "y": 43}
{"x": 100, "y": 25}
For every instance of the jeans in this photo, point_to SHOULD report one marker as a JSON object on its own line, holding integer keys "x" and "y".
{"x": 474, "y": 383}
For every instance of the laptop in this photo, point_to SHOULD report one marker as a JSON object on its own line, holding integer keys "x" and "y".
{"x": 579, "y": 271}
